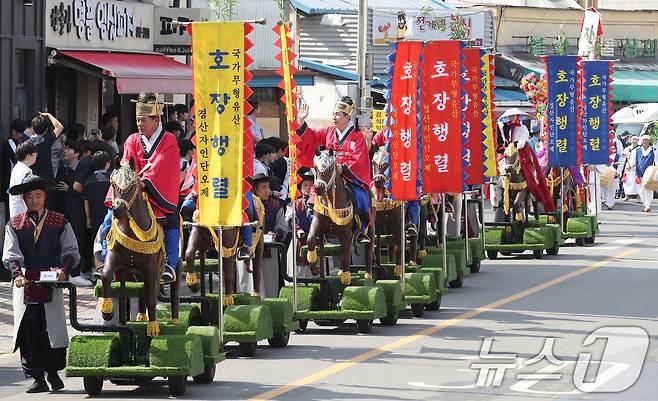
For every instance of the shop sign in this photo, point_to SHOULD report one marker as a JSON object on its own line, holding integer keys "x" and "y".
{"x": 100, "y": 24}
{"x": 172, "y": 39}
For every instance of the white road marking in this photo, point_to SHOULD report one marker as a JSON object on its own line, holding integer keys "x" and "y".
{"x": 627, "y": 241}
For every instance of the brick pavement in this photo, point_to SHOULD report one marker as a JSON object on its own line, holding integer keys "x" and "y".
{"x": 86, "y": 307}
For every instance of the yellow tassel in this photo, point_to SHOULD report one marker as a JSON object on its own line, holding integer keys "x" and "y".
{"x": 141, "y": 317}
{"x": 519, "y": 216}
{"x": 106, "y": 305}
{"x": 422, "y": 253}
{"x": 398, "y": 270}
{"x": 153, "y": 329}
{"x": 367, "y": 276}
{"x": 228, "y": 300}
{"x": 191, "y": 279}
{"x": 345, "y": 277}
{"x": 312, "y": 256}
{"x": 174, "y": 322}
{"x": 412, "y": 263}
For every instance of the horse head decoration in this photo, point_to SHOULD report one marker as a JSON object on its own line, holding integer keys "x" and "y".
{"x": 136, "y": 242}
{"x": 334, "y": 214}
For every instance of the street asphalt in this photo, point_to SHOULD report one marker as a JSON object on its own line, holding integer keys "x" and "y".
{"x": 517, "y": 330}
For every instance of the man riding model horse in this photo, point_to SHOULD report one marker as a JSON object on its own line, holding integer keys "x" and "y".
{"x": 349, "y": 146}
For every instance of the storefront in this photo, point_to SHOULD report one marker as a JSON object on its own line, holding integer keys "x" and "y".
{"x": 101, "y": 53}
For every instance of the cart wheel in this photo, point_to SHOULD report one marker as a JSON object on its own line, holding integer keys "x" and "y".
{"x": 363, "y": 325}
{"x": 93, "y": 385}
{"x": 580, "y": 241}
{"x": 177, "y": 385}
{"x": 207, "y": 376}
{"x": 538, "y": 254}
{"x": 591, "y": 239}
{"x": 434, "y": 305}
{"x": 553, "y": 251}
{"x": 329, "y": 322}
{"x": 493, "y": 255}
{"x": 279, "y": 339}
{"x": 418, "y": 310}
{"x": 457, "y": 283}
{"x": 475, "y": 267}
{"x": 391, "y": 318}
{"x": 303, "y": 323}
{"x": 248, "y": 349}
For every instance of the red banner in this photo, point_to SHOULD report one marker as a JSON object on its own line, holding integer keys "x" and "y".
{"x": 442, "y": 121}
{"x": 404, "y": 140}
{"x": 472, "y": 129}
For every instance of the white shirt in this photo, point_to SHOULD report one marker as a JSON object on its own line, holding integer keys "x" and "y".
{"x": 286, "y": 181}
{"x": 13, "y": 146}
{"x": 148, "y": 143}
{"x": 16, "y": 203}
{"x": 260, "y": 167}
{"x": 521, "y": 135}
{"x": 341, "y": 134}
{"x": 256, "y": 131}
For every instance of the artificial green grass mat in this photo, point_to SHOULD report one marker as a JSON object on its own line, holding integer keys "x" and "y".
{"x": 94, "y": 351}
{"x": 209, "y": 336}
{"x": 188, "y": 314}
{"x": 133, "y": 289}
{"x": 253, "y": 319}
{"x": 281, "y": 311}
{"x": 211, "y": 265}
{"x": 308, "y": 297}
{"x": 494, "y": 236}
{"x": 419, "y": 286}
{"x": 393, "y": 294}
{"x": 516, "y": 247}
{"x": 579, "y": 225}
{"x": 177, "y": 351}
{"x": 538, "y": 235}
{"x": 435, "y": 260}
{"x": 439, "y": 277}
{"x": 338, "y": 315}
{"x": 329, "y": 250}
{"x": 126, "y": 371}
{"x": 364, "y": 299}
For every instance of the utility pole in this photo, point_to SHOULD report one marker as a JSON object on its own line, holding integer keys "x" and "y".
{"x": 365, "y": 100}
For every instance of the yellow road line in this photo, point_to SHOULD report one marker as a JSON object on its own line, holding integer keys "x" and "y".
{"x": 338, "y": 367}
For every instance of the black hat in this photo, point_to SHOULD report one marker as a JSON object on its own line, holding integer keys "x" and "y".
{"x": 263, "y": 177}
{"x": 31, "y": 183}
{"x": 306, "y": 173}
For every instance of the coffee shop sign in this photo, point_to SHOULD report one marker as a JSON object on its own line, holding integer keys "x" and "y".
{"x": 92, "y": 18}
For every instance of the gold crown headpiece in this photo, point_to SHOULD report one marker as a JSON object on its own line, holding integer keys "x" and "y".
{"x": 344, "y": 107}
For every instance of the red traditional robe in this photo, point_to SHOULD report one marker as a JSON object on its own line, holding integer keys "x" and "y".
{"x": 161, "y": 178}
{"x": 351, "y": 152}
{"x": 534, "y": 176}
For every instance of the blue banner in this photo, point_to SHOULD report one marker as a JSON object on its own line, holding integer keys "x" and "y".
{"x": 562, "y": 97}
{"x": 595, "y": 122}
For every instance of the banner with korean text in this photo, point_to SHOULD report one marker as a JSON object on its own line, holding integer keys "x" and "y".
{"x": 489, "y": 148}
{"x": 441, "y": 124}
{"x": 403, "y": 140}
{"x": 473, "y": 115}
{"x": 219, "y": 62}
{"x": 563, "y": 128}
{"x": 595, "y": 120}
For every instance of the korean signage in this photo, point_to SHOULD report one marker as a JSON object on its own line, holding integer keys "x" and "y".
{"x": 169, "y": 38}
{"x": 99, "y": 24}
{"x": 219, "y": 94}
{"x": 378, "y": 120}
{"x": 441, "y": 102}
{"x": 389, "y": 25}
{"x": 472, "y": 124}
{"x": 590, "y": 31}
{"x": 404, "y": 142}
{"x": 562, "y": 77}
{"x": 623, "y": 48}
{"x": 595, "y": 119}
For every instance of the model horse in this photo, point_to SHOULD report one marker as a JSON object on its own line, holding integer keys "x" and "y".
{"x": 512, "y": 186}
{"x": 202, "y": 239}
{"x": 388, "y": 218}
{"x": 136, "y": 242}
{"x": 334, "y": 214}
{"x": 561, "y": 184}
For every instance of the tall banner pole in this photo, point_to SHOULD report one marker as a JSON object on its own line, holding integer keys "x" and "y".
{"x": 222, "y": 290}
{"x": 404, "y": 246}
{"x": 444, "y": 226}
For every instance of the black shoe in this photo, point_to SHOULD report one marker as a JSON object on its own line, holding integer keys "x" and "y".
{"x": 167, "y": 274}
{"x": 39, "y": 386}
{"x": 55, "y": 381}
{"x": 363, "y": 239}
{"x": 244, "y": 253}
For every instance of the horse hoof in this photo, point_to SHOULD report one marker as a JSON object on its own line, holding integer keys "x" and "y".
{"x": 153, "y": 329}
{"x": 345, "y": 277}
{"x": 141, "y": 317}
{"x": 312, "y": 256}
{"x": 228, "y": 300}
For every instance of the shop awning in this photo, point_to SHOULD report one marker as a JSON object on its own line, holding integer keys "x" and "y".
{"x": 135, "y": 72}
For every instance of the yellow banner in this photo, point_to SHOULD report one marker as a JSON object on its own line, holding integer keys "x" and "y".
{"x": 218, "y": 57}
{"x": 378, "y": 118}
{"x": 292, "y": 134}
{"x": 487, "y": 110}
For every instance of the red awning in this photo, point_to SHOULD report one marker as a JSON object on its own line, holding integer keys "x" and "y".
{"x": 136, "y": 72}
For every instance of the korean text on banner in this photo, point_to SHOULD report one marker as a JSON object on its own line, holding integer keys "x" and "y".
{"x": 473, "y": 116}
{"x": 442, "y": 117}
{"x": 219, "y": 59}
{"x": 404, "y": 163}
{"x": 595, "y": 119}
{"x": 489, "y": 148}
{"x": 562, "y": 78}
